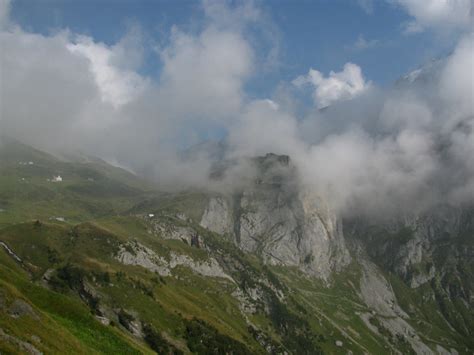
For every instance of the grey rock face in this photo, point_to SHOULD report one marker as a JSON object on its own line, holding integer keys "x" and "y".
{"x": 322, "y": 245}
{"x": 419, "y": 248}
{"x": 23, "y": 346}
{"x": 282, "y": 222}
{"x": 427, "y": 229}
{"x": 169, "y": 230}
{"x": 378, "y": 294}
{"x": 20, "y": 308}
{"x": 217, "y": 216}
{"x": 433, "y": 249}
{"x": 139, "y": 255}
{"x": 134, "y": 253}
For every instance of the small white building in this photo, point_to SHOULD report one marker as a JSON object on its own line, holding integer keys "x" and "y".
{"x": 57, "y": 178}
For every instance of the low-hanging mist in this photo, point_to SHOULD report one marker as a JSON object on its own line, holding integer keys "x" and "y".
{"x": 363, "y": 148}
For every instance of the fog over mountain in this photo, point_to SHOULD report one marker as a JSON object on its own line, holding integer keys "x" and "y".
{"x": 237, "y": 177}
{"x": 362, "y": 147}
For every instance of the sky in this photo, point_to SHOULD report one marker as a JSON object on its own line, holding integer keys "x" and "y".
{"x": 372, "y": 100}
{"x": 324, "y": 34}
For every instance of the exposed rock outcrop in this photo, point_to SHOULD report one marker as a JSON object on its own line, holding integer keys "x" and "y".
{"x": 218, "y": 216}
{"x": 134, "y": 253}
{"x": 281, "y": 221}
{"x": 20, "y": 308}
{"x": 377, "y": 293}
{"x": 424, "y": 248}
{"x": 23, "y": 346}
{"x": 169, "y": 230}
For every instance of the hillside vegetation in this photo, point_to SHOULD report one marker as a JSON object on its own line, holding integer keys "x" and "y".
{"x": 103, "y": 262}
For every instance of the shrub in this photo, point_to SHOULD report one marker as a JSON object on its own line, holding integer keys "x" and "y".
{"x": 154, "y": 339}
{"x": 203, "y": 339}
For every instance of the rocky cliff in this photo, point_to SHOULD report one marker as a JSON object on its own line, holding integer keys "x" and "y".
{"x": 264, "y": 268}
{"x": 276, "y": 218}
{"x": 432, "y": 253}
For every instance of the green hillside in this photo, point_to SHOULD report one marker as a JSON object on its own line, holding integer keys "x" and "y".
{"x": 101, "y": 262}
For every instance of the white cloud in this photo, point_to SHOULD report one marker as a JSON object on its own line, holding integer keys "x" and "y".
{"x": 44, "y": 88}
{"x": 437, "y": 14}
{"x": 247, "y": 19}
{"x": 116, "y": 86}
{"x": 206, "y": 71}
{"x": 263, "y": 128}
{"x": 340, "y": 86}
{"x": 457, "y": 78}
{"x": 85, "y": 94}
{"x": 413, "y": 145}
{"x": 374, "y": 151}
{"x": 405, "y": 111}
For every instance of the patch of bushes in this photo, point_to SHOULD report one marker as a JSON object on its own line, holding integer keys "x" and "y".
{"x": 73, "y": 277}
{"x": 296, "y": 333}
{"x": 203, "y": 339}
{"x": 156, "y": 341}
{"x": 120, "y": 275}
{"x": 273, "y": 278}
{"x": 101, "y": 277}
{"x": 382, "y": 330}
{"x": 53, "y": 256}
{"x": 144, "y": 288}
{"x": 69, "y": 276}
{"x": 125, "y": 318}
{"x": 308, "y": 259}
{"x": 157, "y": 280}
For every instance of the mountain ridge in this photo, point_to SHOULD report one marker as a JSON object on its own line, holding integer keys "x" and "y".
{"x": 157, "y": 271}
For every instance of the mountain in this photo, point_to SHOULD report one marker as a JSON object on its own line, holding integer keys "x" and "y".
{"x": 432, "y": 255}
{"x": 104, "y": 262}
{"x": 274, "y": 218}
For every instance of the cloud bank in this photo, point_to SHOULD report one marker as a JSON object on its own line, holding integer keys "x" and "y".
{"x": 439, "y": 14}
{"x": 369, "y": 151}
{"x": 343, "y": 85}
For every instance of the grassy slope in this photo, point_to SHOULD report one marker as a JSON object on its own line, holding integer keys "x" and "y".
{"x": 91, "y": 190}
{"x": 88, "y": 189}
{"x": 63, "y": 324}
{"x": 99, "y": 204}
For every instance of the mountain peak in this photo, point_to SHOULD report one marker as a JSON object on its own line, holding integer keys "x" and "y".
{"x": 270, "y": 159}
